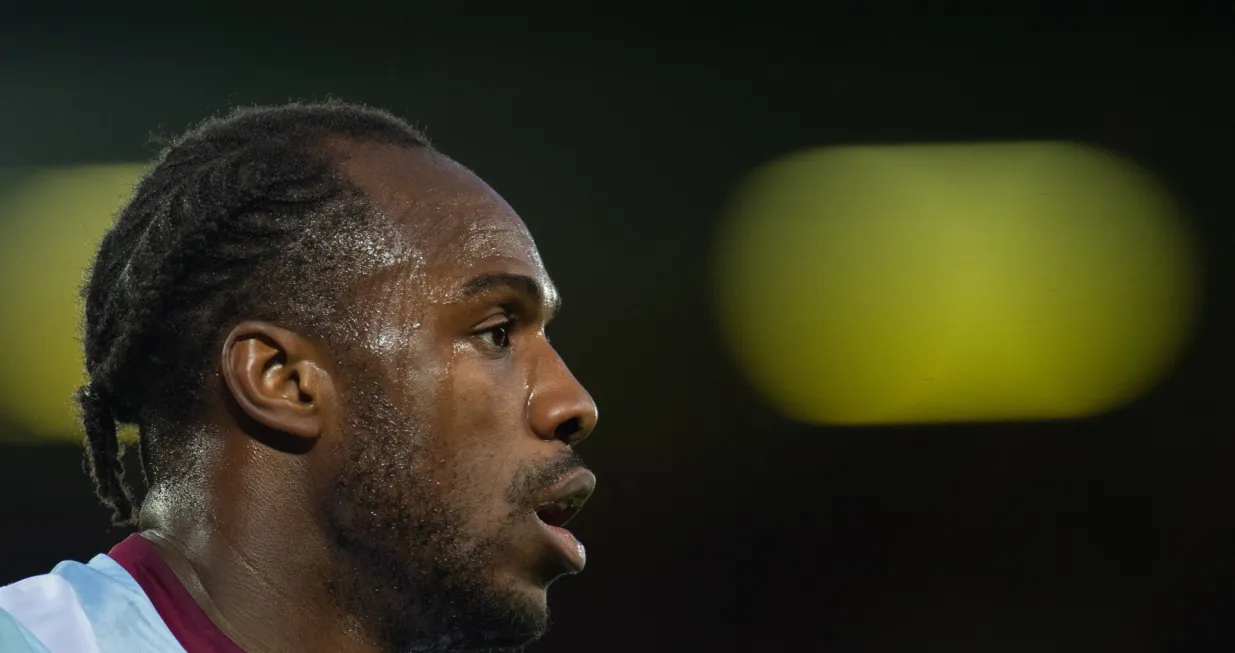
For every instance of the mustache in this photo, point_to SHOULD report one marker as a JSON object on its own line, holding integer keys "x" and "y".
{"x": 537, "y": 476}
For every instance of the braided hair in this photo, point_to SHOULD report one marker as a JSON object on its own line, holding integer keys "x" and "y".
{"x": 221, "y": 229}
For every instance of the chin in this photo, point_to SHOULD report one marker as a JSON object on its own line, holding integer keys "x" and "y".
{"x": 529, "y": 608}
{"x": 512, "y": 637}
{"x": 516, "y": 615}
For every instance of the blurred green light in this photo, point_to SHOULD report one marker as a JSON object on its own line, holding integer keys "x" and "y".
{"x": 51, "y": 221}
{"x": 1002, "y": 281}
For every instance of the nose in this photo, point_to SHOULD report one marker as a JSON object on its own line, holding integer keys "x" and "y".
{"x": 559, "y": 408}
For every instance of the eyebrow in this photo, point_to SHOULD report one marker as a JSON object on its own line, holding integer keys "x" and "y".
{"x": 520, "y": 284}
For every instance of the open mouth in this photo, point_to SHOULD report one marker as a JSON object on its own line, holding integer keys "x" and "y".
{"x": 560, "y": 512}
{"x": 561, "y": 503}
{"x": 566, "y": 499}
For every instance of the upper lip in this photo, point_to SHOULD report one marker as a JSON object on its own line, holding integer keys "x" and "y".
{"x": 562, "y": 501}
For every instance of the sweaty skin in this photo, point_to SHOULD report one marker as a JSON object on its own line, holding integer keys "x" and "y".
{"x": 376, "y": 491}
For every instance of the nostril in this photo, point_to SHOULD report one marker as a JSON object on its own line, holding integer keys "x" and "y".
{"x": 569, "y": 430}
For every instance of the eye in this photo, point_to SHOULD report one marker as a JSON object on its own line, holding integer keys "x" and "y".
{"x": 498, "y": 335}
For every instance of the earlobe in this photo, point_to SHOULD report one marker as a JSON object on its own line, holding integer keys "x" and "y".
{"x": 275, "y": 379}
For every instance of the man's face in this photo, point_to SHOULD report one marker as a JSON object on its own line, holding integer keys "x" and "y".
{"x": 457, "y": 423}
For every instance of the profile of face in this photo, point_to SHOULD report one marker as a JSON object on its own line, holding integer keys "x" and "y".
{"x": 454, "y": 464}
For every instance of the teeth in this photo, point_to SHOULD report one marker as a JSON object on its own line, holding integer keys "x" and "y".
{"x": 558, "y": 512}
{"x": 563, "y": 505}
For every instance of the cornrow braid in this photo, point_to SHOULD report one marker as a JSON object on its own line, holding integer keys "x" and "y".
{"x": 219, "y": 230}
{"x": 103, "y": 455}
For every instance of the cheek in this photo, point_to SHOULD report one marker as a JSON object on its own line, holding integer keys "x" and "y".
{"x": 481, "y": 425}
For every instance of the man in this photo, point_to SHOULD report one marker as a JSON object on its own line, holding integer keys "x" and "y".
{"x": 354, "y": 433}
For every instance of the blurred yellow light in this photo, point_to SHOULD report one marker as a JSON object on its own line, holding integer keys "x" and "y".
{"x": 51, "y": 221}
{"x": 909, "y": 284}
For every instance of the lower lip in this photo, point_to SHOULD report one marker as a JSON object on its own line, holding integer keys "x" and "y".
{"x": 566, "y": 543}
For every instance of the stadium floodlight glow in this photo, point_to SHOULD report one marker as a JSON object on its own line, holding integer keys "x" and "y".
{"x": 950, "y": 283}
{"x": 51, "y": 221}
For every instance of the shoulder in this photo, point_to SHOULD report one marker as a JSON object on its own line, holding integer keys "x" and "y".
{"x": 85, "y": 608}
{"x": 46, "y": 610}
{"x": 16, "y": 639}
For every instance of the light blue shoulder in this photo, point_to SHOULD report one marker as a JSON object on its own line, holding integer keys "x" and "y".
{"x": 16, "y": 639}
{"x": 85, "y": 608}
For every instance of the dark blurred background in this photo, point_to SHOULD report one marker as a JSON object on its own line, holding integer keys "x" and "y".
{"x": 719, "y": 525}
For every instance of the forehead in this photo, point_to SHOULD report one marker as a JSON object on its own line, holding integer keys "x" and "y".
{"x": 445, "y": 219}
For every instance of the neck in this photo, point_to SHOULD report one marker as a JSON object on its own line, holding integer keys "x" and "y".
{"x": 256, "y": 568}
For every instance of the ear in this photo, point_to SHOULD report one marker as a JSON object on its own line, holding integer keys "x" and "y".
{"x": 277, "y": 379}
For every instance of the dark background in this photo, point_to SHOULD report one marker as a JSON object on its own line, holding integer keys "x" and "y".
{"x": 719, "y": 526}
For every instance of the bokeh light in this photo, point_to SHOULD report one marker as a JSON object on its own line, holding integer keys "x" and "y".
{"x": 972, "y": 282}
{"x": 53, "y": 221}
